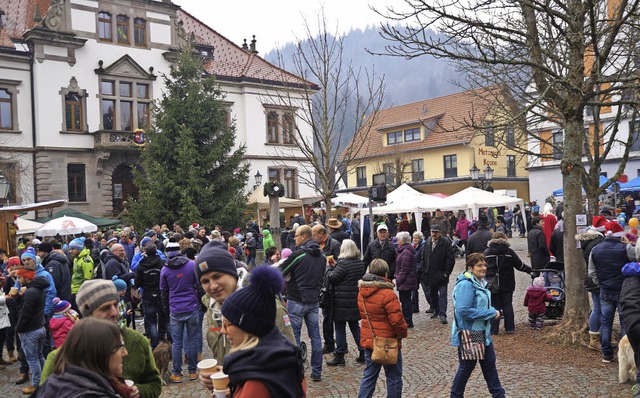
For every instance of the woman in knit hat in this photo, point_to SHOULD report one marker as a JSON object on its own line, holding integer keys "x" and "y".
{"x": 262, "y": 362}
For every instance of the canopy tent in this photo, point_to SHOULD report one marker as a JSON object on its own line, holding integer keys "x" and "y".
{"x": 350, "y": 200}
{"x": 257, "y": 197}
{"x": 26, "y": 227}
{"x": 632, "y": 185}
{"x": 603, "y": 180}
{"x": 100, "y": 222}
{"x": 472, "y": 199}
{"x": 402, "y": 192}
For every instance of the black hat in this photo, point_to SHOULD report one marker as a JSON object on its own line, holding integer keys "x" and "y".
{"x": 436, "y": 228}
{"x": 46, "y": 247}
{"x": 253, "y": 308}
{"x": 151, "y": 233}
{"x": 483, "y": 220}
{"x": 215, "y": 257}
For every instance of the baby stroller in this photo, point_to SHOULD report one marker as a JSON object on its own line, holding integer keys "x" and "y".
{"x": 553, "y": 274}
{"x": 457, "y": 249}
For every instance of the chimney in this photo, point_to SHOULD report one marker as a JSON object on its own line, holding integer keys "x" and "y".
{"x": 252, "y": 49}
{"x": 244, "y": 45}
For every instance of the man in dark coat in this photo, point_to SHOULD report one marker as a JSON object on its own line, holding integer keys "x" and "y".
{"x": 58, "y": 266}
{"x": 537, "y": 246}
{"x": 630, "y": 309}
{"x": 478, "y": 241}
{"x": 331, "y": 249}
{"x": 336, "y": 231}
{"x": 382, "y": 248}
{"x": 437, "y": 264}
{"x": 556, "y": 244}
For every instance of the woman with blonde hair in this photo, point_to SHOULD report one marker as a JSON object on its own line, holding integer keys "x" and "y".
{"x": 89, "y": 363}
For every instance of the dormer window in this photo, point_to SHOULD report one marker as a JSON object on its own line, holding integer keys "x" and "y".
{"x": 394, "y": 138}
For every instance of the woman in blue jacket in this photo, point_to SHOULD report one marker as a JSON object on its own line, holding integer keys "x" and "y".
{"x": 473, "y": 311}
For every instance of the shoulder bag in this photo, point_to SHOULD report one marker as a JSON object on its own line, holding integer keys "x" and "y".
{"x": 471, "y": 342}
{"x": 493, "y": 285}
{"x": 385, "y": 349}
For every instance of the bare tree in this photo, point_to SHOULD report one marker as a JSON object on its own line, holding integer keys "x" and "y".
{"x": 340, "y": 101}
{"x": 400, "y": 166}
{"x": 558, "y": 59}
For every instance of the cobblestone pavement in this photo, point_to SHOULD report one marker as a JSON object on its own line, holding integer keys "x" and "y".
{"x": 429, "y": 364}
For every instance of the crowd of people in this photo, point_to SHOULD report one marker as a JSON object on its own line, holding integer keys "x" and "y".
{"x": 61, "y": 296}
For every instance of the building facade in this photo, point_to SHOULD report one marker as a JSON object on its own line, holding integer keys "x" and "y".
{"x": 77, "y": 82}
{"x": 432, "y": 145}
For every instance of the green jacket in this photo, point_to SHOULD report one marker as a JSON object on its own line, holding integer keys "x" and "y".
{"x": 267, "y": 240}
{"x": 138, "y": 366}
{"x": 82, "y": 270}
{"x": 217, "y": 341}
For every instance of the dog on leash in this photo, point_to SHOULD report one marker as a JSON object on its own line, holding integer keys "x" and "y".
{"x": 162, "y": 357}
{"x": 626, "y": 365}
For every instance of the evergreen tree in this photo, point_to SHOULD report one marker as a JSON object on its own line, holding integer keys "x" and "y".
{"x": 192, "y": 172}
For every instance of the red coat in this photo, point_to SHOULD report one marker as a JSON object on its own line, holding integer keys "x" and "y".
{"x": 60, "y": 327}
{"x": 383, "y": 308}
{"x": 550, "y": 222}
{"x": 535, "y": 298}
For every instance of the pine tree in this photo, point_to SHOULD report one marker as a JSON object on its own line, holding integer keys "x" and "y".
{"x": 192, "y": 172}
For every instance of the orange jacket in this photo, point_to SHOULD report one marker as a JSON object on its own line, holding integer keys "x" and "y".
{"x": 383, "y": 308}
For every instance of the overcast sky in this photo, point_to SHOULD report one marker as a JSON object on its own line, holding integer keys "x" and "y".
{"x": 277, "y": 22}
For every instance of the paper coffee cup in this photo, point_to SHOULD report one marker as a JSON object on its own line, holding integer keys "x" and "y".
{"x": 220, "y": 381}
{"x": 207, "y": 367}
{"x": 129, "y": 383}
{"x": 220, "y": 393}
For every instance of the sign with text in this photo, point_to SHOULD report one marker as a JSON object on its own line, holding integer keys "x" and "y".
{"x": 581, "y": 219}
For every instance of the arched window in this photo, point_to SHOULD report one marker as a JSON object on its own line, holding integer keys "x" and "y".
{"x": 104, "y": 26}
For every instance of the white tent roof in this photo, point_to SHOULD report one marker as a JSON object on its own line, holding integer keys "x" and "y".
{"x": 472, "y": 199}
{"x": 401, "y": 193}
{"x": 410, "y": 204}
{"x": 263, "y": 201}
{"x": 346, "y": 199}
{"x": 26, "y": 226}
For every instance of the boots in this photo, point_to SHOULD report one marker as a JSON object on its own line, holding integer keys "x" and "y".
{"x": 594, "y": 341}
{"x": 13, "y": 357}
{"x": 338, "y": 360}
{"x": 360, "y": 358}
{"x": 24, "y": 377}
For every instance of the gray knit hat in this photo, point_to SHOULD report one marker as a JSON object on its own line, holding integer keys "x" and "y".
{"x": 93, "y": 293}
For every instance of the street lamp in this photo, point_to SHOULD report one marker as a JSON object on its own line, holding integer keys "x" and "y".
{"x": 258, "y": 178}
{"x": 482, "y": 181}
{"x": 5, "y": 185}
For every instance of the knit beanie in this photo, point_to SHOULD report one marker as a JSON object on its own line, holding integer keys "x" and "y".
{"x": 46, "y": 247}
{"x": 15, "y": 260}
{"x": 172, "y": 247}
{"x": 253, "y": 308}
{"x": 144, "y": 241}
{"x": 26, "y": 273}
{"x": 539, "y": 281}
{"x": 60, "y": 306}
{"x": 215, "y": 257}
{"x": 119, "y": 284}
{"x": 286, "y": 252}
{"x": 77, "y": 243}
{"x": 29, "y": 253}
{"x": 93, "y": 293}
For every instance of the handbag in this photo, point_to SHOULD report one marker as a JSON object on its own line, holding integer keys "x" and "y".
{"x": 472, "y": 345}
{"x": 385, "y": 349}
{"x": 493, "y": 285}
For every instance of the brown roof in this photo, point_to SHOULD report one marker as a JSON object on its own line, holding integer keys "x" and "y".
{"x": 231, "y": 62}
{"x": 447, "y": 121}
{"x": 18, "y": 18}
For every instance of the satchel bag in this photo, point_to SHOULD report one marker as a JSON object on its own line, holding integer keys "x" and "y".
{"x": 472, "y": 345}
{"x": 385, "y": 349}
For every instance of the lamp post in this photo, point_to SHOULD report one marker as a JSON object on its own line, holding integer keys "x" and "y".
{"x": 258, "y": 178}
{"x": 482, "y": 181}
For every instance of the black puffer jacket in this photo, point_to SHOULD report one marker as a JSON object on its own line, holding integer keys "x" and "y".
{"x": 344, "y": 277}
{"x": 33, "y": 300}
{"x": 589, "y": 240}
{"x": 331, "y": 248}
{"x": 57, "y": 265}
{"x": 538, "y": 248}
{"x": 148, "y": 276}
{"x": 630, "y": 301}
{"x": 306, "y": 266}
{"x": 76, "y": 382}
{"x": 500, "y": 254}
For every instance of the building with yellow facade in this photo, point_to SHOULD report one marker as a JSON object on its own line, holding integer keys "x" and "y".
{"x": 433, "y": 144}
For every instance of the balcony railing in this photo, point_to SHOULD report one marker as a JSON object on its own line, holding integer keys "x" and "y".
{"x": 115, "y": 140}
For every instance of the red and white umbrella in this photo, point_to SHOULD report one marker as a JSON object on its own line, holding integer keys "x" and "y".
{"x": 66, "y": 226}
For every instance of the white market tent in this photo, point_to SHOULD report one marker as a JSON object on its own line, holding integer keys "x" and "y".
{"x": 472, "y": 199}
{"x": 401, "y": 193}
{"x": 257, "y": 197}
{"x": 26, "y": 226}
{"x": 350, "y": 200}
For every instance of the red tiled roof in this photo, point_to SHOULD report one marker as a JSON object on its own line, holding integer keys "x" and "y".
{"x": 231, "y": 61}
{"x": 18, "y": 18}
{"x": 446, "y": 120}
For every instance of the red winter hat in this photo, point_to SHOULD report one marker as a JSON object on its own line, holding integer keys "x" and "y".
{"x": 15, "y": 260}
{"x": 614, "y": 229}
{"x": 599, "y": 223}
{"x": 26, "y": 273}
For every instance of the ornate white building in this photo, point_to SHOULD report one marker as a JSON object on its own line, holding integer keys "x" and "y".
{"x": 77, "y": 78}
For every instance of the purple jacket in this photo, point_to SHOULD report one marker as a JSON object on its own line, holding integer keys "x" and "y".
{"x": 178, "y": 285}
{"x": 462, "y": 229}
{"x": 406, "y": 275}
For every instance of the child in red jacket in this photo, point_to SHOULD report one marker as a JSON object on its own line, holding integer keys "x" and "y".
{"x": 535, "y": 301}
{"x": 63, "y": 320}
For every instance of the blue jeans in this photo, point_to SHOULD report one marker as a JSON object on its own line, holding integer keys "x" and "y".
{"x": 439, "y": 300}
{"x": 32, "y": 343}
{"x": 489, "y": 371}
{"x": 178, "y": 324}
{"x": 595, "y": 318}
{"x": 608, "y": 305}
{"x": 309, "y": 313}
{"x": 370, "y": 376}
{"x": 341, "y": 335}
{"x": 503, "y": 301}
{"x": 155, "y": 320}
